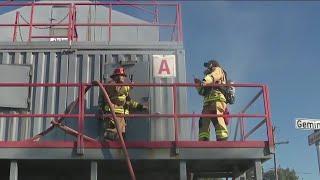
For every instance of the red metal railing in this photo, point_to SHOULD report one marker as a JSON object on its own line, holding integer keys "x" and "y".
{"x": 84, "y": 141}
{"x": 72, "y": 24}
{"x": 90, "y": 142}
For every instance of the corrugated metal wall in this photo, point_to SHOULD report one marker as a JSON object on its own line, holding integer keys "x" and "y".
{"x": 78, "y": 65}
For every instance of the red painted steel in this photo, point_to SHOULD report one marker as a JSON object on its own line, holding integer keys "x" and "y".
{"x": 119, "y": 3}
{"x": 69, "y": 131}
{"x": 236, "y": 129}
{"x": 175, "y": 116}
{"x": 122, "y": 24}
{"x": 84, "y": 87}
{"x": 252, "y": 101}
{"x": 72, "y": 23}
{"x": 74, "y": 31}
{"x": 58, "y": 123}
{"x": 184, "y": 115}
{"x": 110, "y": 21}
{"x": 135, "y": 144}
{"x": 31, "y": 22}
{"x": 37, "y": 144}
{"x": 177, "y": 23}
{"x": 174, "y": 29}
{"x": 183, "y": 85}
{"x": 36, "y": 24}
{"x": 181, "y": 144}
{"x": 30, "y": 4}
{"x": 123, "y": 145}
{"x": 41, "y": 115}
{"x": 80, "y": 143}
{"x": 242, "y": 129}
{"x": 269, "y": 123}
{"x": 15, "y": 27}
{"x": 180, "y": 33}
{"x": 254, "y": 129}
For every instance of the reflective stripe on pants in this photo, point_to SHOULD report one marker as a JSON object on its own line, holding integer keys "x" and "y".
{"x": 219, "y": 123}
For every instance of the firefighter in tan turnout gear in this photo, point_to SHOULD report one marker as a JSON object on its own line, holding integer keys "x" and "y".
{"x": 121, "y": 102}
{"x": 214, "y": 102}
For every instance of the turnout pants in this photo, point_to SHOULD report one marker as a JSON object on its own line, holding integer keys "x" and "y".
{"x": 218, "y": 122}
{"x": 110, "y": 130}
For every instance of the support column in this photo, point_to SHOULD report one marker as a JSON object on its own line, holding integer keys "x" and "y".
{"x": 258, "y": 170}
{"x": 13, "y": 170}
{"x": 318, "y": 153}
{"x": 94, "y": 171}
{"x": 235, "y": 173}
{"x": 183, "y": 170}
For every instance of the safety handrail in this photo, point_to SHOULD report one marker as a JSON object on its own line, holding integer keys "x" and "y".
{"x": 72, "y": 23}
{"x": 123, "y": 145}
{"x": 254, "y": 99}
{"x": 83, "y": 88}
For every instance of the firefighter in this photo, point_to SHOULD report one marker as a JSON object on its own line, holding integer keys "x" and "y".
{"x": 214, "y": 102}
{"x": 121, "y": 102}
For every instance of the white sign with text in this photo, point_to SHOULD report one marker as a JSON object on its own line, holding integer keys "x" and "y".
{"x": 307, "y": 124}
{"x": 164, "y": 66}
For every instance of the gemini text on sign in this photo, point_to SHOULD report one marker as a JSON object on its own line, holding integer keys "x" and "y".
{"x": 307, "y": 124}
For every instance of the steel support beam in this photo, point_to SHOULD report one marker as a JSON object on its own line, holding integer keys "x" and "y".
{"x": 258, "y": 170}
{"x": 94, "y": 171}
{"x": 318, "y": 154}
{"x": 235, "y": 172}
{"x": 183, "y": 170}
{"x": 13, "y": 170}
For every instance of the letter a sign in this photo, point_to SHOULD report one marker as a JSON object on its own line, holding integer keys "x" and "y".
{"x": 164, "y": 66}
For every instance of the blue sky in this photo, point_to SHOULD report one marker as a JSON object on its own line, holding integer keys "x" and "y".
{"x": 275, "y": 43}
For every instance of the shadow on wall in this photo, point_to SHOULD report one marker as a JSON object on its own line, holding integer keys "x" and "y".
{"x": 92, "y": 125}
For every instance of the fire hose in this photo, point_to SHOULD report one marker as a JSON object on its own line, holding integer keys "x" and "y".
{"x": 107, "y": 98}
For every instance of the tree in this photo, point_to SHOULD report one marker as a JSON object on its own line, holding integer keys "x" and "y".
{"x": 283, "y": 174}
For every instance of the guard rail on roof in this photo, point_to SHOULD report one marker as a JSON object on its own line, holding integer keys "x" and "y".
{"x": 170, "y": 29}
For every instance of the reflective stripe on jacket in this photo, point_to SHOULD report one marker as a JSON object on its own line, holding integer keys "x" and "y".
{"x": 122, "y": 109}
{"x": 119, "y": 96}
{"x": 212, "y": 94}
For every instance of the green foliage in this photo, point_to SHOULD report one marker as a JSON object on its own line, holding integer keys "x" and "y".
{"x": 283, "y": 174}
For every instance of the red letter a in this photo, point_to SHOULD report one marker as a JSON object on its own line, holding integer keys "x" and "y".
{"x": 164, "y": 67}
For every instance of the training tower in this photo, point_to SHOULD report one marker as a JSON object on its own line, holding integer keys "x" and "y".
{"x": 51, "y": 51}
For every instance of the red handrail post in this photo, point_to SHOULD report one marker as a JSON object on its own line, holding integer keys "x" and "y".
{"x": 242, "y": 129}
{"x": 180, "y": 34}
{"x": 268, "y": 121}
{"x": 31, "y": 21}
{"x": 109, "y": 23}
{"x": 16, "y": 24}
{"x": 80, "y": 144}
{"x": 74, "y": 31}
{"x": 70, "y": 24}
{"x": 177, "y": 23}
{"x": 176, "y": 124}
